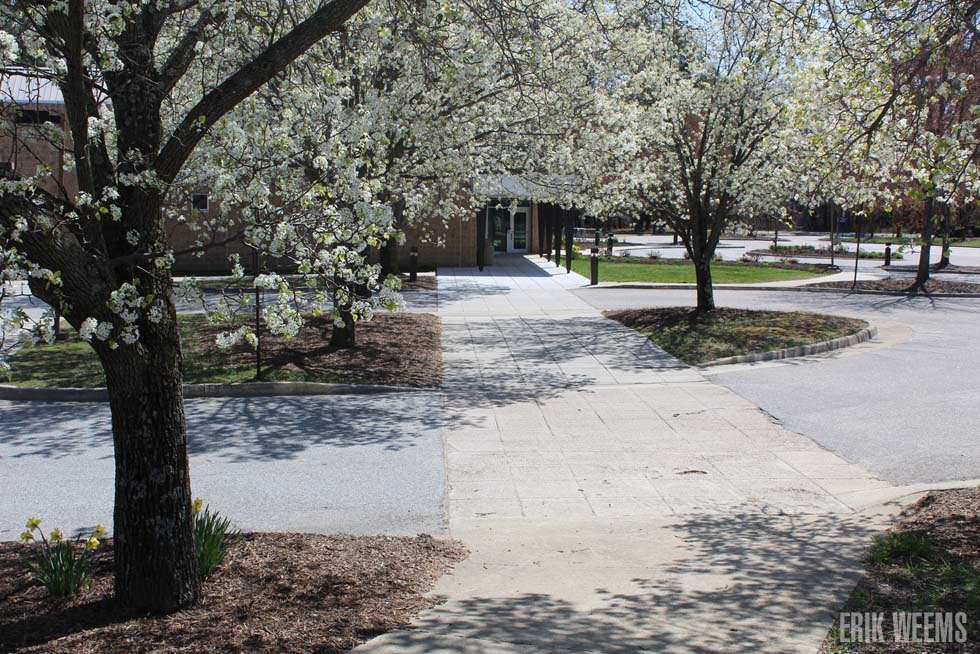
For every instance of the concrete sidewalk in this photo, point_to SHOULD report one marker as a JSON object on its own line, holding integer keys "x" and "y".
{"x": 616, "y": 501}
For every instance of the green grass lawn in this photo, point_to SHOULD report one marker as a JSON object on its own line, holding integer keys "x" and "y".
{"x": 672, "y": 273}
{"x": 697, "y": 339}
{"x": 73, "y": 363}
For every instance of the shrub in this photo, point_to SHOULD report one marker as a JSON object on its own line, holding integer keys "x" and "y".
{"x": 654, "y": 254}
{"x": 213, "y": 537}
{"x": 62, "y": 566}
{"x": 625, "y": 254}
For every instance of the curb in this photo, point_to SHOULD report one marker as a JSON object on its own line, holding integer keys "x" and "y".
{"x": 795, "y": 289}
{"x": 838, "y": 255}
{"x": 191, "y": 391}
{"x": 865, "y": 334}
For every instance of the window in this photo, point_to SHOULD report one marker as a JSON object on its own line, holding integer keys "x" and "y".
{"x": 199, "y": 202}
{"x": 36, "y": 117}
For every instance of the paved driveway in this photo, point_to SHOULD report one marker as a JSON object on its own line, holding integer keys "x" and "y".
{"x": 358, "y": 464}
{"x": 907, "y": 408}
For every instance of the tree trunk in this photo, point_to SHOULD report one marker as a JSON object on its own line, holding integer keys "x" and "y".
{"x": 922, "y": 274}
{"x": 343, "y": 337}
{"x": 389, "y": 258}
{"x": 944, "y": 258}
{"x": 155, "y": 559}
{"x": 706, "y": 294}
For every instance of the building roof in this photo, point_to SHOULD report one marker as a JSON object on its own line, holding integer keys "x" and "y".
{"x": 23, "y": 86}
{"x": 524, "y": 187}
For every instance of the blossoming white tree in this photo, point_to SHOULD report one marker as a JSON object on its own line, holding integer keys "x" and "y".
{"x": 316, "y": 163}
{"x": 395, "y": 116}
{"x": 901, "y": 94}
{"x": 142, "y": 84}
{"x": 696, "y": 129}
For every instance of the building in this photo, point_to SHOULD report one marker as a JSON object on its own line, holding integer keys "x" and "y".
{"x": 510, "y": 222}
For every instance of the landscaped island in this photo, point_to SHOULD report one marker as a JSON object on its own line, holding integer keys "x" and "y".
{"x": 399, "y": 349}
{"x": 699, "y": 338}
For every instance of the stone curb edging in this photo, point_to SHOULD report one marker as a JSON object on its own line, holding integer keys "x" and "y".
{"x": 839, "y": 255}
{"x": 802, "y": 289}
{"x": 861, "y": 336}
{"x": 251, "y": 389}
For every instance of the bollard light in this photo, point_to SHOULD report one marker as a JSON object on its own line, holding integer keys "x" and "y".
{"x": 888, "y": 254}
{"x": 594, "y": 267}
{"x": 413, "y": 264}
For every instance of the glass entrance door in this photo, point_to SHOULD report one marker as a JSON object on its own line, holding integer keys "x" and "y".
{"x": 499, "y": 226}
{"x": 508, "y": 229}
{"x": 519, "y": 221}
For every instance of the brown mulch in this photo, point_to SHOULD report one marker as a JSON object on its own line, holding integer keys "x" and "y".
{"x": 950, "y": 519}
{"x": 397, "y": 349}
{"x": 421, "y": 283}
{"x": 274, "y": 593}
{"x": 936, "y": 268}
{"x": 933, "y": 286}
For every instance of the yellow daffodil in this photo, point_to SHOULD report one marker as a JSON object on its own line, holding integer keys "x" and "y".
{"x": 33, "y": 523}
{"x": 197, "y": 505}
{"x": 55, "y": 536}
{"x": 99, "y": 531}
{"x": 92, "y": 544}
{"x": 26, "y": 536}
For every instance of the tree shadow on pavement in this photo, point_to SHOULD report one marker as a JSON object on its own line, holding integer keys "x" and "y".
{"x": 742, "y": 583}
{"x": 235, "y": 429}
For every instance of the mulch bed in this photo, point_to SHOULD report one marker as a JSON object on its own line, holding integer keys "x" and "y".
{"x": 933, "y": 286}
{"x": 816, "y": 254}
{"x": 950, "y": 520}
{"x": 399, "y": 349}
{"x": 421, "y": 283}
{"x": 274, "y": 593}
{"x": 936, "y": 269}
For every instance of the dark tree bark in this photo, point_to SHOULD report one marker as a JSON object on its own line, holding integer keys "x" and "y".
{"x": 389, "y": 258}
{"x": 706, "y": 292}
{"x": 390, "y": 250}
{"x": 343, "y": 336}
{"x": 155, "y": 558}
{"x": 922, "y": 273}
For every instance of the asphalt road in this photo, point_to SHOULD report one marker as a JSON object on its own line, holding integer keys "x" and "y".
{"x": 906, "y": 407}
{"x": 331, "y": 464}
